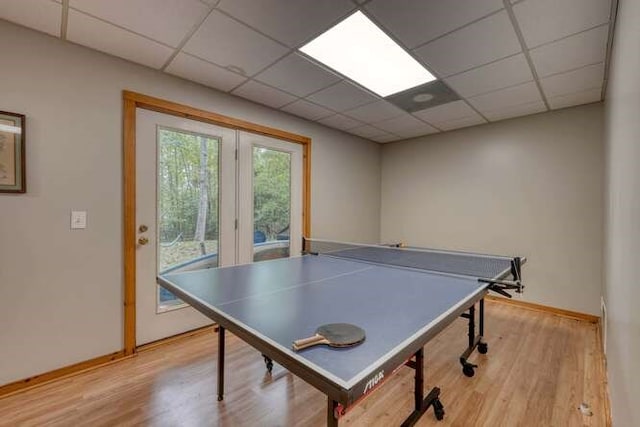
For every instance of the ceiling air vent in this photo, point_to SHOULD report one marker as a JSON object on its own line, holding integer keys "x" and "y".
{"x": 424, "y": 96}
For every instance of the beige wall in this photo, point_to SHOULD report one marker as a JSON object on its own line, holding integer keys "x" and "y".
{"x": 61, "y": 290}
{"x": 530, "y": 186}
{"x": 622, "y": 253}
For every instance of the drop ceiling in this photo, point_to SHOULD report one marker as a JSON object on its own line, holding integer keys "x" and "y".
{"x": 500, "y": 58}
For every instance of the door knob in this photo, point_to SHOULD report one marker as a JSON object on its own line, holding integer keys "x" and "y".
{"x": 143, "y": 228}
{"x": 143, "y": 241}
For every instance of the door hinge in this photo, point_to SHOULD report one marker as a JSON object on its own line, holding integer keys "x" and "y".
{"x": 236, "y": 154}
{"x": 236, "y": 224}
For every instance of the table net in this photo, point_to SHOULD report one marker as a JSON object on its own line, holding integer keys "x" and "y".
{"x": 450, "y": 262}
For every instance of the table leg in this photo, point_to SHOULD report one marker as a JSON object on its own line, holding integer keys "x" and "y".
{"x": 472, "y": 325}
{"x": 483, "y": 347}
{"x": 418, "y": 387}
{"x": 481, "y": 318}
{"x": 220, "y": 363}
{"x": 474, "y": 341}
{"x": 332, "y": 406}
{"x": 422, "y": 403}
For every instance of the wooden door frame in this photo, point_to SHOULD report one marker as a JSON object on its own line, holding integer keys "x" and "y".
{"x": 133, "y": 101}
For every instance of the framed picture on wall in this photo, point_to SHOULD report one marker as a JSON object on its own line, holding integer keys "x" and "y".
{"x": 12, "y": 153}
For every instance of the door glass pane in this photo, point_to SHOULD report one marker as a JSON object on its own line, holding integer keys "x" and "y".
{"x": 271, "y": 203}
{"x": 188, "y": 213}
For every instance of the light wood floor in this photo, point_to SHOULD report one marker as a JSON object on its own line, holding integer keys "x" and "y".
{"x": 538, "y": 371}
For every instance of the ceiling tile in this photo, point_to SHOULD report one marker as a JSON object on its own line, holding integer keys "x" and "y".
{"x": 385, "y": 138}
{"x": 41, "y": 15}
{"x": 578, "y": 98}
{"x": 515, "y": 111}
{"x": 406, "y": 126}
{"x": 414, "y": 133}
{"x": 169, "y": 22}
{"x": 342, "y": 96}
{"x": 505, "y": 98}
{"x": 339, "y": 121}
{"x": 542, "y": 21}
{"x": 264, "y": 94}
{"x": 445, "y": 112}
{"x": 500, "y": 74}
{"x": 485, "y": 41}
{"x": 573, "y": 52}
{"x": 307, "y": 109}
{"x": 573, "y": 81}
{"x": 461, "y": 123}
{"x": 197, "y": 70}
{"x": 291, "y": 22}
{"x": 368, "y": 131}
{"x": 415, "y": 22}
{"x": 297, "y": 75}
{"x": 99, "y": 35}
{"x": 226, "y": 42}
{"x": 375, "y": 112}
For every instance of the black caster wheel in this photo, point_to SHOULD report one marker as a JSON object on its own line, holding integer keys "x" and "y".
{"x": 269, "y": 363}
{"x": 220, "y": 398}
{"x": 483, "y": 348}
{"x": 468, "y": 370}
{"x": 438, "y": 409}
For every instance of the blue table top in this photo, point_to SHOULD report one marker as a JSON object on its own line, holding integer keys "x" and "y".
{"x": 283, "y": 300}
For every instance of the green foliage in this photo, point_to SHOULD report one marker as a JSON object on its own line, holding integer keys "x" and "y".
{"x": 178, "y": 192}
{"x": 178, "y": 189}
{"x": 272, "y": 190}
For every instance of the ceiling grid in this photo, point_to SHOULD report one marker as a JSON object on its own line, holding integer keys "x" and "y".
{"x": 499, "y": 58}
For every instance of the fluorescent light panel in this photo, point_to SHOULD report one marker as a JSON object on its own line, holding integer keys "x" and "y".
{"x": 358, "y": 49}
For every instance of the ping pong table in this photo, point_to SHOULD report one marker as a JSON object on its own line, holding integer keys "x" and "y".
{"x": 401, "y": 297}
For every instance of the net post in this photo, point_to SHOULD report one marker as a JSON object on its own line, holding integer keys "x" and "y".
{"x": 516, "y": 269}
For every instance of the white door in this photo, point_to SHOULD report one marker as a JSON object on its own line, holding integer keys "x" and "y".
{"x": 269, "y": 198}
{"x": 207, "y": 196}
{"x": 185, "y": 209}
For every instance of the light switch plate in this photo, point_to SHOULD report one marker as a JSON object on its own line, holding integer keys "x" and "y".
{"x": 78, "y": 220}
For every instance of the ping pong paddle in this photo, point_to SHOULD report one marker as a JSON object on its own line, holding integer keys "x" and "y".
{"x": 333, "y": 335}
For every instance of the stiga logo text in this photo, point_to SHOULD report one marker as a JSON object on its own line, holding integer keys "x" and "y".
{"x": 373, "y": 381}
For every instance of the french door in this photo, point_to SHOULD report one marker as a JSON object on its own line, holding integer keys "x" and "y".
{"x": 207, "y": 196}
{"x": 269, "y": 198}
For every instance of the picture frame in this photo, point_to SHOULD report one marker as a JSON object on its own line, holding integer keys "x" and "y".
{"x": 13, "y": 172}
